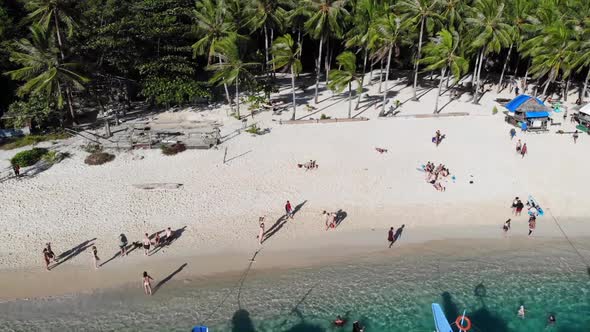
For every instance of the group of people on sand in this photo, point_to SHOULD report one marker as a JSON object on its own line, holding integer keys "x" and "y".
{"x": 521, "y": 149}
{"x": 312, "y": 164}
{"x": 517, "y": 207}
{"x": 289, "y": 214}
{"x": 435, "y": 175}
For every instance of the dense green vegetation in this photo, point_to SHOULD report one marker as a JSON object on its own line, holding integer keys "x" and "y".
{"x": 59, "y": 56}
{"x": 28, "y": 157}
{"x": 30, "y": 140}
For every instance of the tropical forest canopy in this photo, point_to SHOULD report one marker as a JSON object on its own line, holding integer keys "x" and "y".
{"x": 59, "y": 58}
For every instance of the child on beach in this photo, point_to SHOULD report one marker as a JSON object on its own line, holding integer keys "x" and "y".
{"x": 95, "y": 257}
{"x": 16, "y": 169}
{"x": 147, "y": 286}
{"x": 157, "y": 240}
{"x": 532, "y": 224}
{"x": 146, "y": 244}
{"x": 514, "y": 202}
{"x": 50, "y": 253}
{"x": 288, "y": 210}
{"x": 518, "y": 146}
{"x": 123, "y": 244}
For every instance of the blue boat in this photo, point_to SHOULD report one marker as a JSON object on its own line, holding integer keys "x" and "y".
{"x": 442, "y": 324}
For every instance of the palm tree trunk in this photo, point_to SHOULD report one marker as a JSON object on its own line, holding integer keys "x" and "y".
{"x": 299, "y": 42}
{"x": 474, "y": 77}
{"x": 478, "y": 77}
{"x": 549, "y": 81}
{"x": 567, "y": 88}
{"x": 327, "y": 60}
{"x": 585, "y": 85}
{"x": 349, "y": 99}
{"x": 362, "y": 81}
{"x": 238, "y": 96}
{"x": 504, "y": 68}
{"x": 293, "y": 88}
{"x": 526, "y": 76}
{"x": 266, "y": 50}
{"x": 381, "y": 76}
{"x": 386, "y": 78}
{"x": 58, "y": 33}
{"x": 318, "y": 69}
{"x": 442, "y": 77}
{"x": 227, "y": 92}
{"x": 272, "y": 57}
{"x": 371, "y": 73}
{"x": 418, "y": 58}
{"x": 517, "y": 64}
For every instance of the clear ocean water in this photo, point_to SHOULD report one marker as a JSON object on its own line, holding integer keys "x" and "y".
{"x": 386, "y": 293}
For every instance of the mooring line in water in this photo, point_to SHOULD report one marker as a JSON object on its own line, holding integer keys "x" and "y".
{"x": 569, "y": 241}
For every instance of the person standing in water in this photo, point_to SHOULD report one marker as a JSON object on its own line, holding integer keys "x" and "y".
{"x": 147, "y": 286}
{"x": 95, "y": 256}
{"x": 261, "y": 230}
{"x": 532, "y": 224}
{"x": 390, "y": 237}
{"x": 288, "y": 210}
{"x": 521, "y": 312}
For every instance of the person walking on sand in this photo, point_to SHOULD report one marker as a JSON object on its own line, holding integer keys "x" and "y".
{"x": 46, "y": 258}
{"x": 169, "y": 235}
{"x": 146, "y": 244}
{"x": 289, "y": 210}
{"x": 95, "y": 257}
{"x": 512, "y": 133}
{"x": 390, "y": 237}
{"x": 518, "y": 146}
{"x": 147, "y": 286}
{"x": 575, "y": 136}
{"x": 506, "y": 226}
{"x": 524, "y": 150}
{"x": 16, "y": 169}
{"x": 123, "y": 244}
{"x": 261, "y": 231}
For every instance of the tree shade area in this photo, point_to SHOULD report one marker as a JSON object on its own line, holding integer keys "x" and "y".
{"x": 59, "y": 58}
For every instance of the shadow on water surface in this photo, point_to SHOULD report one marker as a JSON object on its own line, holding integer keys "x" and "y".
{"x": 482, "y": 319}
{"x": 241, "y": 322}
{"x": 306, "y": 327}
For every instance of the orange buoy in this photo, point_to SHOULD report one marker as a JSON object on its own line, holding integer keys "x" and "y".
{"x": 463, "y": 323}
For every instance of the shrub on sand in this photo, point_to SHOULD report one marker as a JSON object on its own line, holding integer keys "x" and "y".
{"x": 170, "y": 150}
{"x": 28, "y": 157}
{"x": 494, "y": 110}
{"x": 99, "y": 158}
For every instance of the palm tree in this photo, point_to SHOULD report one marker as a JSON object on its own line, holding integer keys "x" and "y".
{"x": 268, "y": 15}
{"x": 424, "y": 13}
{"x": 42, "y": 70}
{"x": 345, "y": 76}
{"x": 580, "y": 12}
{"x": 286, "y": 55}
{"x": 328, "y": 16}
{"x": 443, "y": 53}
{"x": 296, "y": 18}
{"x": 211, "y": 26}
{"x": 388, "y": 30}
{"x": 552, "y": 53}
{"x": 232, "y": 67}
{"x": 491, "y": 31}
{"x": 52, "y": 13}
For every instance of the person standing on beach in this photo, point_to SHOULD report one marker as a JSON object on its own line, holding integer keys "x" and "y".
{"x": 512, "y": 133}
{"x": 524, "y": 150}
{"x": 519, "y": 207}
{"x": 146, "y": 244}
{"x": 123, "y": 244}
{"x": 575, "y": 136}
{"x": 289, "y": 210}
{"x": 514, "y": 202}
{"x": 95, "y": 256}
{"x": 147, "y": 286}
{"x": 46, "y": 258}
{"x": 390, "y": 237}
{"x": 16, "y": 169}
{"x": 261, "y": 230}
{"x": 518, "y": 146}
{"x": 532, "y": 224}
{"x": 52, "y": 256}
{"x": 169, "y": 235}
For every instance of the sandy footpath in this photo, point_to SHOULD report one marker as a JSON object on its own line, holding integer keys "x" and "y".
{"x": 218, "y": 204}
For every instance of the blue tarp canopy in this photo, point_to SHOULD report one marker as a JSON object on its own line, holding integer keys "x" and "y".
{"x": 533, "y": 115}
{"x": 525, "y": 103}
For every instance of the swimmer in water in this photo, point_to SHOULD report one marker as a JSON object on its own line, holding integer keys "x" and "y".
{"x": 551, "y": 319}
{"x": 339, "y": 321}
{"x": 521, "y": 312}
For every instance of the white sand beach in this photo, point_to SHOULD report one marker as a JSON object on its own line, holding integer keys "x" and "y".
{"x": 218, "y": 204}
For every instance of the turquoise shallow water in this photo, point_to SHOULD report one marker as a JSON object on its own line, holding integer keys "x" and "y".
{"x": 386, "y": 293}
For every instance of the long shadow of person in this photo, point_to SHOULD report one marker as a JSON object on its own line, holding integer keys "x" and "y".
{"x": 170, "y": 276}
{"x": 176, "y": 234}
{"x": 298, "y": 207}
{"x": 398, "y": 233}
{"x": 275, "y": 228}
{"x": 241, "y": 322}
{"x": 73, "y": 252}
{"x": 340, "y": 216}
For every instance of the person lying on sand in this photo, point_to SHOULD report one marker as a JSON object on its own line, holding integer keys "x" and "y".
{"x": 380, "y": 150}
